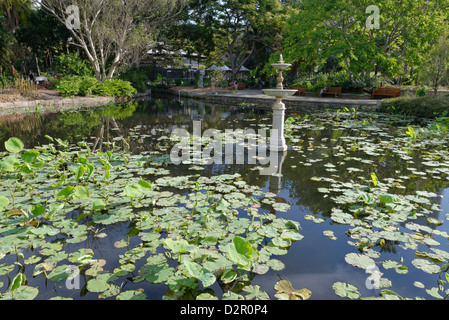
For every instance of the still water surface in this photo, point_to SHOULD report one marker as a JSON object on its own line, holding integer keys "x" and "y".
{"x": 315, "y": 262}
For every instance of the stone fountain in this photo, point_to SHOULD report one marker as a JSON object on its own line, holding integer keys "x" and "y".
{"x": 277, "y": 142}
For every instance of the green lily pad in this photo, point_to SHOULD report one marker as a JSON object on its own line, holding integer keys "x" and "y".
{"x": 14, "y": 145}
{"x": 359, "y": 260}
{"x": 346, "y": 290}
{"x": 426, "y": 266}
{"x": 205, "y": 276}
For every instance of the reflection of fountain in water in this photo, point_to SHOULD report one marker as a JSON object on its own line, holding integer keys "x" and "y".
{"x": 276, "y": 177}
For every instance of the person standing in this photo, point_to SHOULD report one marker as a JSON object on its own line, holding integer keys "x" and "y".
{"x": 31, "y": 76}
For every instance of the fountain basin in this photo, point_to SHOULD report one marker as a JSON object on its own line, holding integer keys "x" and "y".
{"x": 279, "y": 93}
{"x": 281, "y": 66}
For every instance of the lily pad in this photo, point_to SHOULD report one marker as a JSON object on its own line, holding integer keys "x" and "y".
{"x": 346, "y": 290}
{"x": 14, "y": 145}
{"x": 426, "y": 266}
{"x": 359, "y": 260}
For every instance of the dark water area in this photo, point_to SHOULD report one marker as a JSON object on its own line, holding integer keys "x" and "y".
{"x": 316, "y": 262}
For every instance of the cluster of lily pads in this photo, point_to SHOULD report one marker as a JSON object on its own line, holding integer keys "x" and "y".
{"x": 200, "y": 237}
{"x": 381, "y": 213}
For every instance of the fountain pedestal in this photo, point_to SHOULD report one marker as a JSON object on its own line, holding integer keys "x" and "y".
{"x": 277, "y": 142}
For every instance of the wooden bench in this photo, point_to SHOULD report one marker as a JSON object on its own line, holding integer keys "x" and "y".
{"x": 301, "y": 91}
{"x": 334, "y": 91}
{"x": 240, "y": 86}
{"x": 386, "y": 92}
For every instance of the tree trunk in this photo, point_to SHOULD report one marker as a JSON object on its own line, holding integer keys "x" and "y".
{"x": 38, "y": 70}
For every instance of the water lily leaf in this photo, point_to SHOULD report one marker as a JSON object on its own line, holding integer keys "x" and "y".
{"x": 330, "y": 234}
{"x": 98, "y": 204}
{"x": 285, "y": 289}
{"x": 156, "y": 274}
{"x": 240, "y": 252}
{"x": 144, "y": 186}
{"x": 359, "y": 260}
{"x": 82, "y": 192}
{"x": 291, "y": 235}
{"x": 387, "y": 198}
{"x": 97, "y": 285}
{"x": 178, "y": 246}
{"x": 18, "y": 280}
{"x": 132, "y": 295}
{"x": 79, "y": 172}
{"x": 275, "y": 264}
{"x": 121, "y": 243}
{"x": 260, "y": 268}
{"x": 205, "y": 276}
{"x": 61, "y": 273}
{"x": 100, "y": 283}
{"x": 254, "y": 292}
{"x": 25, "y": 293}
{"x": 37, "y": 210}
{"x": 66, "y": 192}
{"x": 229, "y": 276}
{"x": 123, "y": 270}
{"x": 43, "y": 267}
{"x": 206, "y": 296}
{"x": 45, "y": 229}
{"x": 374, "y": 178}
{"x": 3, "y": 202}
{"x": 281, "y": 207}
{"x": 346, "y": 290}
{"x": 14, "y": 145}
{"x": 32, "y": 260}
{"x": 426, "y": 266}
{"x": 281, "y": 242}
{"x": 434, "y": 293}
{"x": 133, "y": 192}
{"x": 9, "y": 163}
{"x": 96, "y": 267}
{"x": 30, "y": 156}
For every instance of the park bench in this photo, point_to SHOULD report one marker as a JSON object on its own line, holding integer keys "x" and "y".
{"x": 301, "y": 91}
{"x": 240, "y": 86}
{"x": 335, "y": 91}
{"x": 386, "y": 92}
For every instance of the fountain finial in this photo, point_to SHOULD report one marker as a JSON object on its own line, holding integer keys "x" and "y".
{"x": 281, "y": 60}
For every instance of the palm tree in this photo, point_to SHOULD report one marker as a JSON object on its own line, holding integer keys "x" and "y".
{"x": 14, "y": 11}
{"x": 11, "y": 13}
{"x": 5, "y": 49}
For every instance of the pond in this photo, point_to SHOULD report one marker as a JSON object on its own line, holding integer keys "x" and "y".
{"x": 93, "y": 208}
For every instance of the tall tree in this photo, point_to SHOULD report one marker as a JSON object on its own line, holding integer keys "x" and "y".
{"x": 51, "y": 41}
{"x": 235, "y": 29}
{"x": 108, "y": 29}
{"x": 14, "y": 11}
{"x": 435, "y": 71}
{"x": 323, "y": 28}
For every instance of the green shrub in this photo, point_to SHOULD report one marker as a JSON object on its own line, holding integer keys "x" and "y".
{"x": 6, "y": 82}
{"x": 339, "y": 79}
{"x": 69, "y": 86}
{"x": 75, "y": 85}
{"x": 72, "y": 65}
{"x": 422, "y": 107}
{"x": 179, "y": 82}
{"x": 114, "y": 88}
{"x": 138, "y": 78}
{"x": 87, "y": 86}
{"x": 421, "y": 91}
